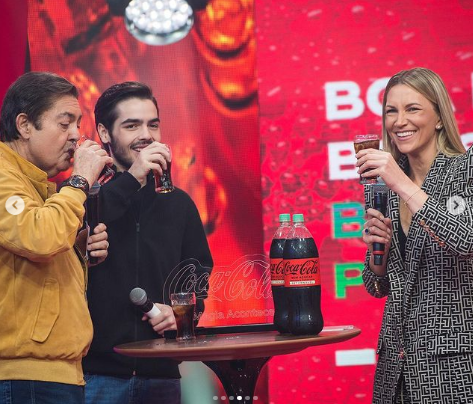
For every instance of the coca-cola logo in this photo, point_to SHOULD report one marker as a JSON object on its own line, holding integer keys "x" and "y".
{"x": 308, "y": 267}
{"x": 277, "y": 268}
{"x": 247, "y": 278}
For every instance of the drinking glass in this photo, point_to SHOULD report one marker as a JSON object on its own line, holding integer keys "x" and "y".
{"x": 183, "y": 306}
{"x": 366, "y": 142}
{"x": 163, "y": 183}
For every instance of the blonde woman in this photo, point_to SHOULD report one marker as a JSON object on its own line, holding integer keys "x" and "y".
{"x": 425, "y": 346}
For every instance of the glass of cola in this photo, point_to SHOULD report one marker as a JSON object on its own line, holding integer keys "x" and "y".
{"x": 183, "y": 306}
{"x": 163, "y": 183}
{"x": 361, "y": 142}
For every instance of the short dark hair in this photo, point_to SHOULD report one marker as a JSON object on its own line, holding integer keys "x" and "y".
{"x": 105, "y": 111}
{"x": 33, "y": 93}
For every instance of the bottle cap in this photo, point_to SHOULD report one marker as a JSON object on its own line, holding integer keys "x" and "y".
{"x": 284, "y": 217}
{"x": 298, "y": 218}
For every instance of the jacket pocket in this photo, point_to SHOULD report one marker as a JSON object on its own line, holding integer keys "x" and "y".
{"x": 48, "y": 311}
{"x": 451, "y": 343}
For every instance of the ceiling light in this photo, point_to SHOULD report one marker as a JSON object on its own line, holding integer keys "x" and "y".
{"x": 159, "y": 22}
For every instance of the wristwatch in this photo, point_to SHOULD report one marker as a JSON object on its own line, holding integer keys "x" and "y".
{"x": 77, "y": 181}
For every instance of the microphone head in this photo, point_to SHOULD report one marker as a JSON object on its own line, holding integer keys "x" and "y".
{"x": 138, "y": 296}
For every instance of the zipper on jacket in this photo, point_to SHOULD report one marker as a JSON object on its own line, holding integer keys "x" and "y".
{"x": 137, "y": 263}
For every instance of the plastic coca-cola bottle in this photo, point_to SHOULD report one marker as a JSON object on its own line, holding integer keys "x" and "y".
{"x": 302, "y": 280}
{"x": 277, "y": 273}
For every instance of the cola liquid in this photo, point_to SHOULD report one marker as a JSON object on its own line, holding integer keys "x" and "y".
{"x": 369, "y": 141}
{"x": 281, "y": 311}
{"x": 163, "y": 183}
{"x": 368, "y": 144}
{"x": 184, "y": 315}
{"x": 302, "y": 280}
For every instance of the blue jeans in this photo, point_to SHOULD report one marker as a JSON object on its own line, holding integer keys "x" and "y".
{"x": 36, "y": 392}
{"x": 101, "y": 389}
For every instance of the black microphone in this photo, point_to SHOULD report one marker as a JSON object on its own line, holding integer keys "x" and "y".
{"x": 139, "y": 298}
{"x": 380, "y": 202}
{"x": 92, "y": 208}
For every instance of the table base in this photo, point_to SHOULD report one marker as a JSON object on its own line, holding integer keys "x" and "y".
{"x": 238, "y": 377}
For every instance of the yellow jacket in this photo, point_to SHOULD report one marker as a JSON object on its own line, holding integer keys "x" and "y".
{"x": 45, "y": 326}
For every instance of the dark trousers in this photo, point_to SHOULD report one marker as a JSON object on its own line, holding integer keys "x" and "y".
{"x": 36, "y": 392}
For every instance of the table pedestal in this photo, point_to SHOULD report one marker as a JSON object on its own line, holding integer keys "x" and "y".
{"x": 238, "y": 377}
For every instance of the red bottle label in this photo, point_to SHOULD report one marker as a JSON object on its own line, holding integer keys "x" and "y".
{"x": 301, "y": 272}
{"x": 277, "y": 271}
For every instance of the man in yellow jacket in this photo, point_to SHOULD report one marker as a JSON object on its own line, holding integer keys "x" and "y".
{"x": 45, "y": 326}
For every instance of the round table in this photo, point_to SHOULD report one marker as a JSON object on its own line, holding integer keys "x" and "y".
{"x": 236, "y": 359}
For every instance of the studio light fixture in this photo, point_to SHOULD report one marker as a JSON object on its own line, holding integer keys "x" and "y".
{"x": 159, "y": 22}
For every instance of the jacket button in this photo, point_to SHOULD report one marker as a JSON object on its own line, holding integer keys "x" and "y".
{"x": 377, "y": 288}
{"x": 422, "y": 222}
{"x": 402, "y": 354}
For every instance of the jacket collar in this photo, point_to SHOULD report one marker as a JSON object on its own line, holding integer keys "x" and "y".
{"x": 37, "y": 177}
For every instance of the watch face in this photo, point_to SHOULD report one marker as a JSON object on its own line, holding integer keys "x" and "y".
{"x": 77, "y": 181}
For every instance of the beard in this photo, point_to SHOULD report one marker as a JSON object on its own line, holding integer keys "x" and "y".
{"x": 124, "y": 155}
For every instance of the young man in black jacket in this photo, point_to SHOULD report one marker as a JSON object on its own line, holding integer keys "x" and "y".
{"x": 150, "y": 234}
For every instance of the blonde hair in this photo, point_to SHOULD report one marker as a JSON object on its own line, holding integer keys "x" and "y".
{"x": 431, "y": 86}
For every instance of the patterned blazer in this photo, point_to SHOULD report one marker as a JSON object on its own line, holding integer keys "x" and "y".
{"x": 427, "y": 329}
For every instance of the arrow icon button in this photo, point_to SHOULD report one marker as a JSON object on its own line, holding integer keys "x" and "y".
{"x": 14, "y": 205}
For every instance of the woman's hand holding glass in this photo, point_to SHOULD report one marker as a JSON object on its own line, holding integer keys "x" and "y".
{"x": 380, "y": 163}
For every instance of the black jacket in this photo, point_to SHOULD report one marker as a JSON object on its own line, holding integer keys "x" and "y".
{"x": 150, "y": 235}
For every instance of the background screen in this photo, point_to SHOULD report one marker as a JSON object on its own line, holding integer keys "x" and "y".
{"x": 260, "y": 104}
